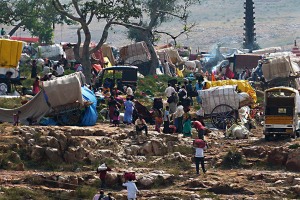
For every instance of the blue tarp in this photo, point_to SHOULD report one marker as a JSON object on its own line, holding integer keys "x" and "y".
{"x": 90, "y": 115}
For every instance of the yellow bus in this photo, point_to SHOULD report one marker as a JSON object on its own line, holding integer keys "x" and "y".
{"x": 281, "y": 112}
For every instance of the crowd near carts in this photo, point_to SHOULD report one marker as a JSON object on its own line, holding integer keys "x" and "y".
{"x": 229, "y": 91}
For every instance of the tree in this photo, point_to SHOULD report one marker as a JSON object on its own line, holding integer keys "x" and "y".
{"x": 37, "y": 16}
{"x": 158, "y": 12}
{"x": 108, "y": 11}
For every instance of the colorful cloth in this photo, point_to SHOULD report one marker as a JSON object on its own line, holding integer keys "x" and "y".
{"x": 187, "y": 128}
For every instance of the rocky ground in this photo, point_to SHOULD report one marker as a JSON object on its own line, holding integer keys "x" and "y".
{"x": 61, "y": 161}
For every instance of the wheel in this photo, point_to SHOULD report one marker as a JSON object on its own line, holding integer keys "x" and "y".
{"x": 222, "y": 114}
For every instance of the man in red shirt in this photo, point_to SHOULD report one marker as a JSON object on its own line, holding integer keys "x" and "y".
{"x": 200, "y": 128}
{"x": 102, "y": 170}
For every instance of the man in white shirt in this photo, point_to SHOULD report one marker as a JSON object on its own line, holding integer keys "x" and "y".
{"x": 169, "y": 90}
{"x": 131, "y": 189}
{"x": 178, "y": 118}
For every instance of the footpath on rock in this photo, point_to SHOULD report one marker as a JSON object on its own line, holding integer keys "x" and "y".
{"x": 60, "y": 162}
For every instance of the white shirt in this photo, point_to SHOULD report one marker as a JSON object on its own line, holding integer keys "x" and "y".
{"x": 199, "y": 153}
{"x": 169, "y": 90}
{"x": 129, "y": 91}
{"x": 131, "y": 189}
{"x": 179, "y": 111}
{"x": 60, "y": 70}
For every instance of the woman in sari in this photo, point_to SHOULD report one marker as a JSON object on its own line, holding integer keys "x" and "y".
{"x": 129, "y": 107}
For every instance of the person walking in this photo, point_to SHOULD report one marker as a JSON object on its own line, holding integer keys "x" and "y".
{"x": 198, "y": 87}
{"x": 166, "y": 120}
{"x": 187, "y": 127}
{"x": 129, "y": 107}
{"x": 131, "y": 189}
{"x": 158, "y": 119}
{"x": 116, "y": 116}
{"x": 178, "y": 118}
{"x": 173, "y": 101}
{"x": 102, "y": 171}
{"x": 199, "y": 145}
{"x": 33, "y": 69}
{"x": 169, "y": 90}
{"x": 189, "y": 89}
{"x": 111, "y": 107}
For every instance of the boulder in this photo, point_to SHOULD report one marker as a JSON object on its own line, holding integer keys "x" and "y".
{"x": 52, "y": 142}
{"x": 254, "y": 151}
{"x": 277, "y": 156}
{"x": 37, "y": 153}
{"x": 223, "y": 188}
{"x": 53, "y": 154}
{"x": 70, "y": 155}
{"x": 159, "y": 148}
{"x": 293, "y": 161}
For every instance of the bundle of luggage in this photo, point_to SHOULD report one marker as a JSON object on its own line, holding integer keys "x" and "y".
{"x": 198, "y": 143}
{"x": 129, "y": 176}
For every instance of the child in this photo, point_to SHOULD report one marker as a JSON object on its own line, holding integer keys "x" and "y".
{"x": 16, "y": 118}
{"x": 166, "y": 120}
{"x": 158, "y": 120}
{"x": 116, "y": 116}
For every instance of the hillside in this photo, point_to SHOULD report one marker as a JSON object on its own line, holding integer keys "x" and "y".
{"x": 218, "y": 21}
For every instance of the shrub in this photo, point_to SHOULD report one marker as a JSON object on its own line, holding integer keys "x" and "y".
{"x": 233, "y": 159}
{"x": 85, "y": 192}
{"x": 294, "y": 146}
{"x": 22, "y": 193}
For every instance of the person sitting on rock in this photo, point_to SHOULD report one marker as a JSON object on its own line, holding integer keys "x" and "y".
{"x": 109, "y": 197}
{"x": 140, "y": 124}
{"x": 102, "y": 170}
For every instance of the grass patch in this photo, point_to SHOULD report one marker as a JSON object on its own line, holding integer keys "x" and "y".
{"x": 22, "y": 193}
{"x": 233, "y": 159}
{"x": 294, "y": 146}
{"x": 10, "y": 103}
{"x": 85, "y": 192}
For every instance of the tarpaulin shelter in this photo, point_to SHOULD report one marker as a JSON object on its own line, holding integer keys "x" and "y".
{"x": 135, "y": 52}
{"x": 61, "y": 91}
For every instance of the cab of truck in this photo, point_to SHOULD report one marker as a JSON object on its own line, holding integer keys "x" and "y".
{"x": 281, "y": 112}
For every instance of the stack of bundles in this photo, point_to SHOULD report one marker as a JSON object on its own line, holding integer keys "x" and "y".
{"x": 267, "y": 50}
{"x": 171, "y": 55}
{"x": 52, "y": 52}
{"x": 279, "y": 67}
{"x": 215, "y": 96}
{"x": 129, "y": 175}
{"x": 107, "y": 52}
{"x": 198, "y": 143}
{"x": 135, "y": 52}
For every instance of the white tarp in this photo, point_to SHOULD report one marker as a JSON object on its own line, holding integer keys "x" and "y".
{"x": 51, "y": 51}
{"x": 215, "y": 96}
{"x": 63, "y": 90}
{"x": 277, "y": 67}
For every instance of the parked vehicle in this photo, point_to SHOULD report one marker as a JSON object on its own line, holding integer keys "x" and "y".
{"x": 281, "y": 112}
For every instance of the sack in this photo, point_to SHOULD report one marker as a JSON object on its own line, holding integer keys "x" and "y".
{"x": 129, "y": 175}
{"x": 170, "y": 99}
{"x": 159, "y": 120}
{"x": 198, "y": 143}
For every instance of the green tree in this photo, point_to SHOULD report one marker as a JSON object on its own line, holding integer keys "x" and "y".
{"x": 155, "y": 13}
{"x": 37, "y": 16}
{"x": 83, "y": 12}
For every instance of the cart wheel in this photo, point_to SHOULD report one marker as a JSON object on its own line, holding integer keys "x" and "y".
{"x": 70, "y": 118}
{"x": 221, "y": 114}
